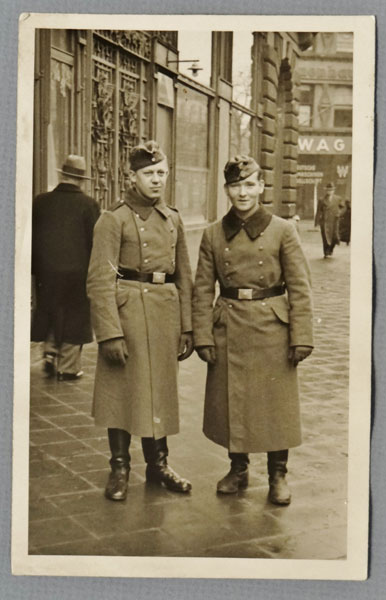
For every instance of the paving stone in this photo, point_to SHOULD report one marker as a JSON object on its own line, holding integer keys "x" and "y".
{"x": 43, "y": 533}
{"x": 69, "y": 448}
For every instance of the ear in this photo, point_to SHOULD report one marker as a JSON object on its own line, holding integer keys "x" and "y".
{"x": 132, "y": 176}
{"x": 261, "y": 186}
{"x": 226, "y": 190}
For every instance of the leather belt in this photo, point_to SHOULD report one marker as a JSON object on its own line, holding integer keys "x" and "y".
{"x": 156, "y": 277}
{"x": 250, "y": 294}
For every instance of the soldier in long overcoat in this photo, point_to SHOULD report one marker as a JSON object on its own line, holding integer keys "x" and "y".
{"x": 140, "y": 285}
{"x": 62, "y": 231}
{"x": 328, "y": 214}
{"x": 258, "y": 330}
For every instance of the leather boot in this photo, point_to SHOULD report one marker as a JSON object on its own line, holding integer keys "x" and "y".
{"x": 277, "y": 468}
{"x": 116, "y": 488}
{"x": 237, "y": 478}
{"x": 157, "y": 470}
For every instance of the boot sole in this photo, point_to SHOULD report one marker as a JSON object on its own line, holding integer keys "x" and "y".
{"x": 241, "y": 486}
{"x": 155, "y": 480}
{"x": 279, "y": 502}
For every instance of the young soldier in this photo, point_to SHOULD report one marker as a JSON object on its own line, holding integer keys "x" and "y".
{"x": 257, "y": 332}
{"x": 140, "y": 284}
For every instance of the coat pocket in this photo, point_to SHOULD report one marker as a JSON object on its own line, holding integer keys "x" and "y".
{"x": 279, "y": 305}
{"x": 122, "y": 296}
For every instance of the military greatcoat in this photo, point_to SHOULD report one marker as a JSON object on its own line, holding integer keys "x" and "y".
{"x": 251, "y": 399}
{"x": 140, "y": 397}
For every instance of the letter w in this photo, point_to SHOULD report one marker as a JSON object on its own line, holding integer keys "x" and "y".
{"x": 305, "y": 143}
{"x": 342, "y": 170}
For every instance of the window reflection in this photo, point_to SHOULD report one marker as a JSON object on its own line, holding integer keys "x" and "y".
{"x": 242, "y": 67}
{"x": 192, "y": 154}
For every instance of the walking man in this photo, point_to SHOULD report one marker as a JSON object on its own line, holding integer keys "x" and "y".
{"x": 140, "y": 286}
{"x": 62, "y": 230}
{"x": 259, "y": 329}
{"x": 328, "y": 213}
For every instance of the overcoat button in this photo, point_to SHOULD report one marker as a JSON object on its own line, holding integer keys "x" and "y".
{"x": 145, "y": 290}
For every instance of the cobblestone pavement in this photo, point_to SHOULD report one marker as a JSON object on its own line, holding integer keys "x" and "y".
{"x": 69, "y": 461}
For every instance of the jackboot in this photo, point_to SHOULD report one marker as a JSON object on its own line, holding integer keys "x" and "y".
{"x": 158, "y": 470}
{"x": 237, "y": 478}
{"x": 116, "y": 488}
{"x": 279, "y": 492}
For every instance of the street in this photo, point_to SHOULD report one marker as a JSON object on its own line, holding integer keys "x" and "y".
{"x": 69, "y": 514}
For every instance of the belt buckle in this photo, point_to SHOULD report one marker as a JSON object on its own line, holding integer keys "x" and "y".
{"x": 159, "y": 277}
{"x": 244, "y": 294}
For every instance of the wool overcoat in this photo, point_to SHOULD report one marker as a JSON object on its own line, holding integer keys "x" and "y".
{"x": 140, "y": 397}
{"x": 251, "y": 398}
{"x": 62, "y": 231}
{"x": 327, "y": 216}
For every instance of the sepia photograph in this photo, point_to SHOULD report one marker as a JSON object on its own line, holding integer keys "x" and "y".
{"x": 193, "y": 296}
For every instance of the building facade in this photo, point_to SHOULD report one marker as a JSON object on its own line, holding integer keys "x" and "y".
{"x": 203, "y": 95}
{"x": 325, "y": 72}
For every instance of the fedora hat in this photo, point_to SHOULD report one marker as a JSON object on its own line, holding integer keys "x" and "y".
{"x": 74, "y": 166}
{"x": 330, "y": 186}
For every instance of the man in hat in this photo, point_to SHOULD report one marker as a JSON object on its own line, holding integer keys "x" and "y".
{"x": 328, "y": 213}
{"x": 62, "y": 227}
{"x": 140, "y": 285}
{"x": 258, "y": 331}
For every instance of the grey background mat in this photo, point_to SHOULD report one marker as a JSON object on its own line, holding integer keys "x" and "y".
{"x": 47, "y": 588}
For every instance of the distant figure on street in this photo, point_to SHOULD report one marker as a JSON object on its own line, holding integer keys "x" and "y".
{"x": 258, "y": 331}
{"x": 140, "y": 287}
{"x": 328, "y": 214}
{"x": 345, "y": 223}
{"x": 62, "y": 228}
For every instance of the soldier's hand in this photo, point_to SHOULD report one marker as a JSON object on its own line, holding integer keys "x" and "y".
{"x": 186, "y": 345}
{"x": 207, "y": 354}
{"x": 114, "y": 351}
{"x": 298, "y": 353}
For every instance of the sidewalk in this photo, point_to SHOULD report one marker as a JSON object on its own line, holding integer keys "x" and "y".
{"x": 69, "y": 460}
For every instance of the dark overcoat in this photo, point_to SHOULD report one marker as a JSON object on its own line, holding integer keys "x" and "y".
{"x": 62, "y": 230}
{"x": 140, "y": 397}
{"x": 327, "y": 216}
{"x": 251, "y": 398}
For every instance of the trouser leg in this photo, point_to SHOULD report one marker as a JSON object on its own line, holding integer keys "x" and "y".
{"x": 279, "y": 492}
{"x": 69, "y": 359}
{"x": 157, "y": 470}
{"x": 237, "y": 478}
{"x": 119, "y": 442}
{"x": 50, "y": 353}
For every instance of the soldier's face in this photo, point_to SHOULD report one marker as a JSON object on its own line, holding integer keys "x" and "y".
{"x": 244, "y": 195}
{"x": 150, "y": 181}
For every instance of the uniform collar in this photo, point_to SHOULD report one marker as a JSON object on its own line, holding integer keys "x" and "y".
{"x": 254, "y": 225}
{"x": 144, "y": 207}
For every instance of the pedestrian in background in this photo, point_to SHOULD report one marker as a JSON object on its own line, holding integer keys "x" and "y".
{"x": 140, "y": 286}
{"x": 345, "y": 223}
{"x": 258, "y": 331}
{"x": 62, "y": 228}
{"x": 328, "y": 214}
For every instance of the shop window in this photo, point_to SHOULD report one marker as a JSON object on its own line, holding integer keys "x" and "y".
{"x": 306, "y": 101}
{"x": 240, "y": 133}
{"x": 192, "y": 154}
{"x": 61, "y": 109}
{"x": 242, "y": 67}
{"x": 195, "y": 46}
{"x": 343, "y": 117}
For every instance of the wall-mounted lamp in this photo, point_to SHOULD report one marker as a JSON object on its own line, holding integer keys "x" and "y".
{"x": 194, "y": 66}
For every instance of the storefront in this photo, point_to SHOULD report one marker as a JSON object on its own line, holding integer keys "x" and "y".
{"x": 203, "y": 95}
{"x": 322, "y": 160}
